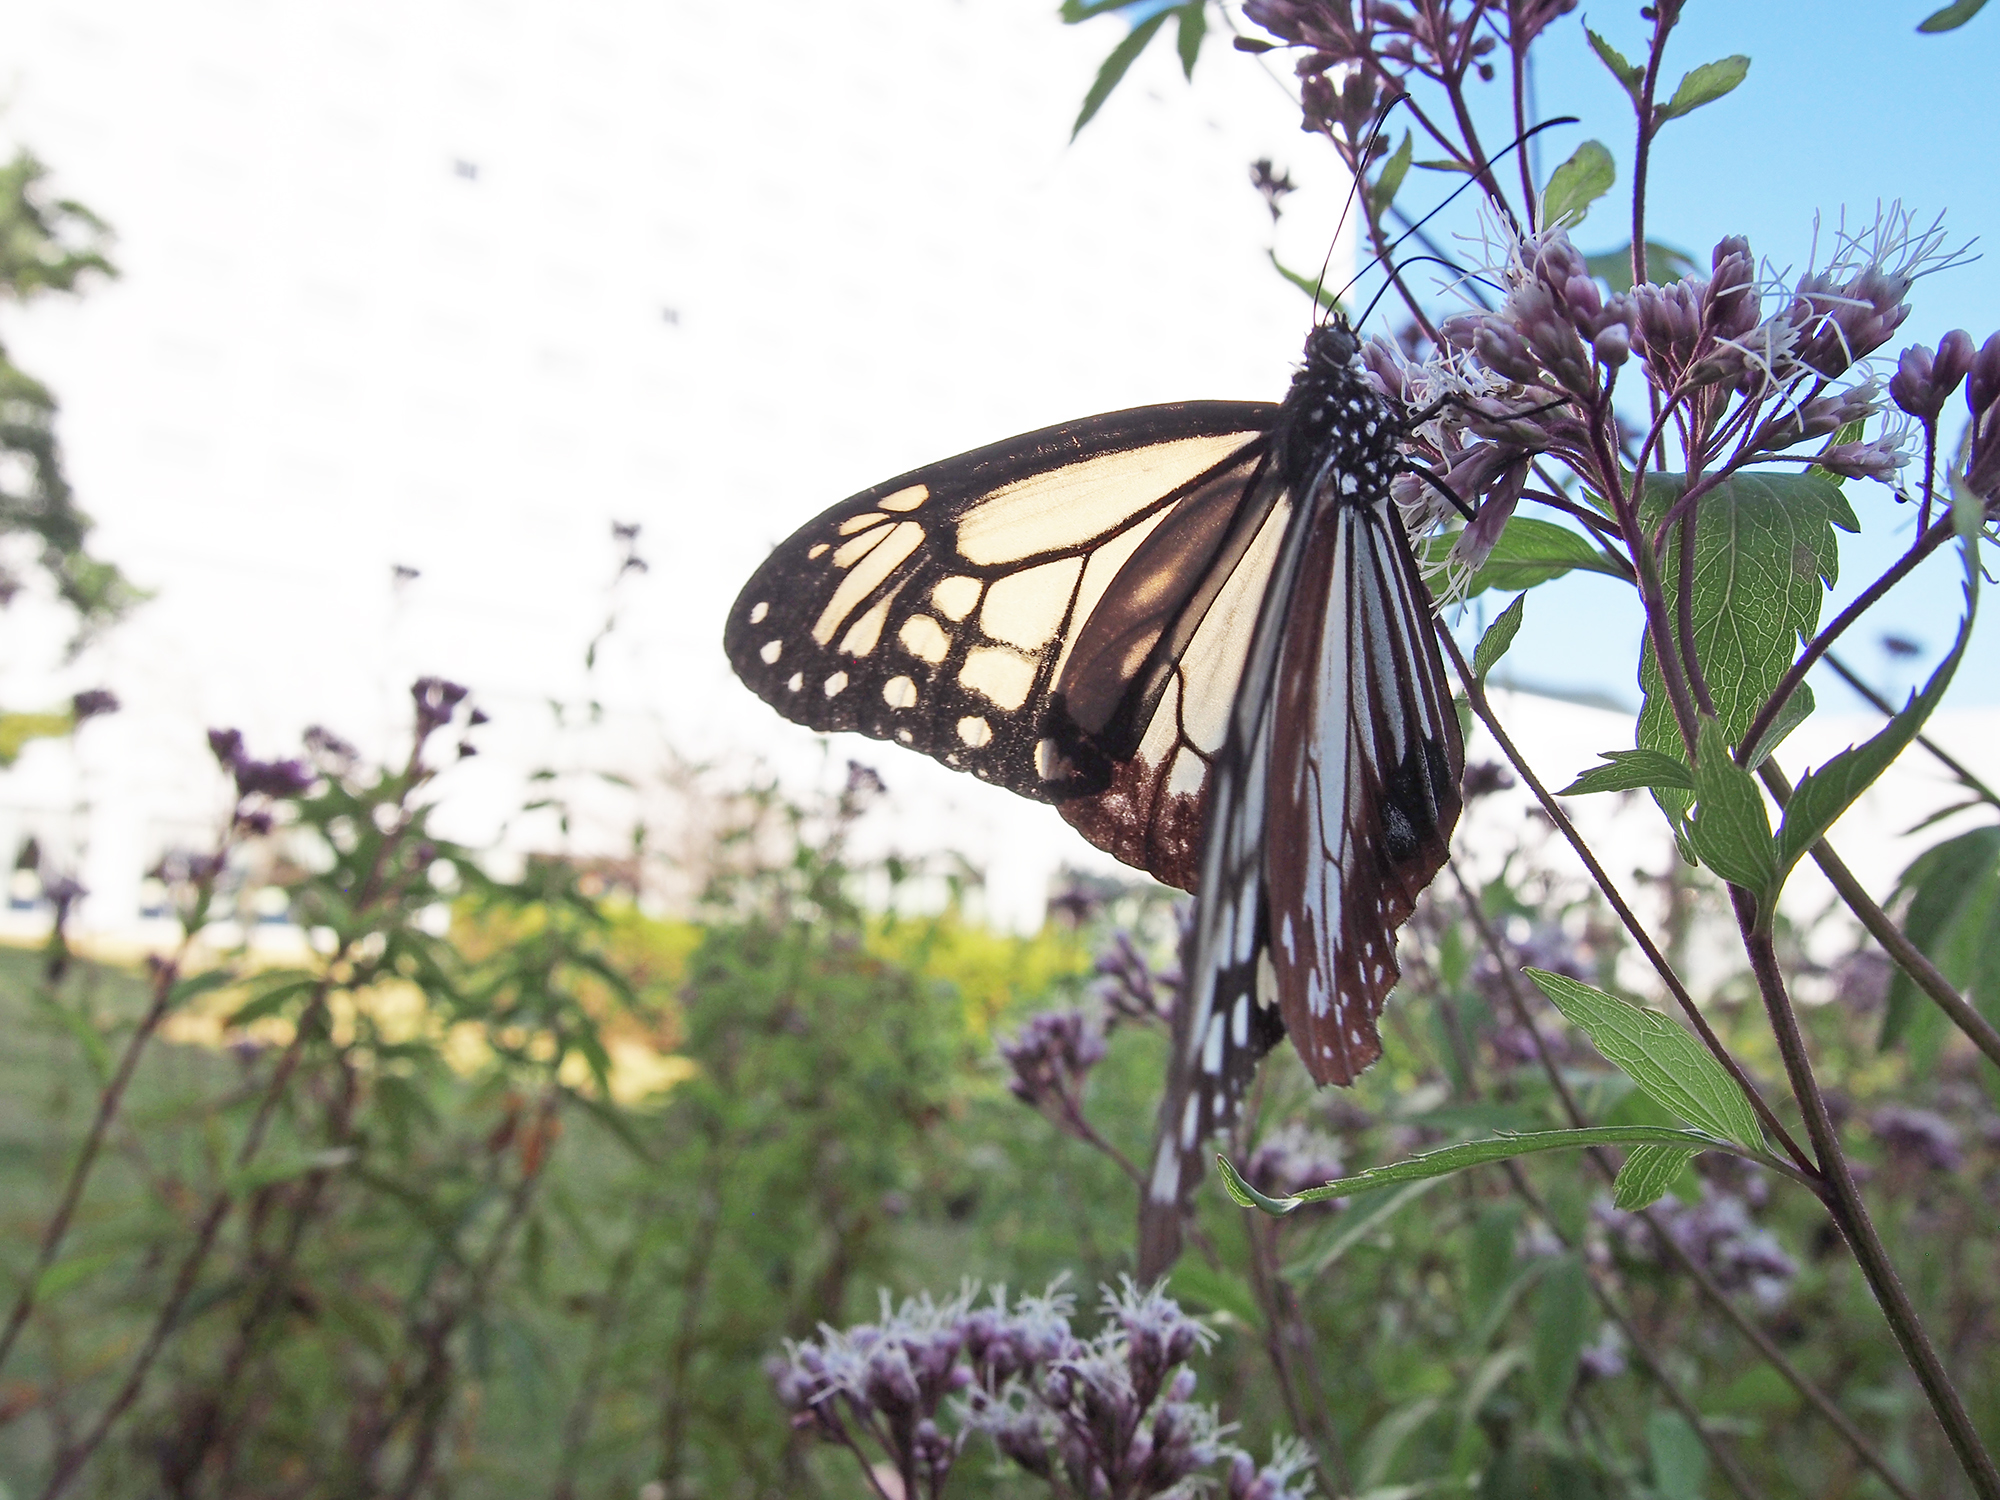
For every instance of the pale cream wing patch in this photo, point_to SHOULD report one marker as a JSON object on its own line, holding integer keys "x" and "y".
{"x": 936, "y": 610}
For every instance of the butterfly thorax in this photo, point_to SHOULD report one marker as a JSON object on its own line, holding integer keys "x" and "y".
{"x": 1334, "y": 422}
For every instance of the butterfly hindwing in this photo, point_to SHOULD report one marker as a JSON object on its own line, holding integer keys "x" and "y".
{"x": 1365, "y": 773}
{"x": 1056, "y": 613}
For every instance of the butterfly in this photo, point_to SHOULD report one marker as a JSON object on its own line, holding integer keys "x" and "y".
{"x": 1200, "y": 632}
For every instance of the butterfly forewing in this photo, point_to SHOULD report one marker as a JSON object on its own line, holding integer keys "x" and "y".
{"x": 1030, "y": 612}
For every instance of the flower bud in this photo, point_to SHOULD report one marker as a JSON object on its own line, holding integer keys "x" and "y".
{"x": 1982, "y": 386}
{"x": 1911, "y": 386}
{"x": 1613, "y": 346}
{"x": 1877, "y": 460}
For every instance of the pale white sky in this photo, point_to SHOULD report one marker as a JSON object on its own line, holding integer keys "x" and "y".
{"x": 455, "y": 285}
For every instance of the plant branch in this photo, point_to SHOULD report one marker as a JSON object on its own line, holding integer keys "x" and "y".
{"x": 1667, "y": 1244}
{"x": 165, "y": 974}
{"x": 1957, "y": 768}
{"x": 1664, "y": 17}
{"x": 1850, "y": 1214}
{"x": 1882, "y": 927}
{"x": 1634, "y": 1340}
{"x": 1482, "y": 707}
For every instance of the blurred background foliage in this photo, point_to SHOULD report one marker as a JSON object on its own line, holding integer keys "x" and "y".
{"x": 470, "y": 1251}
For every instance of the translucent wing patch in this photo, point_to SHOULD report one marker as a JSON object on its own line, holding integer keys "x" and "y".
{"x": 1055, "y": 613}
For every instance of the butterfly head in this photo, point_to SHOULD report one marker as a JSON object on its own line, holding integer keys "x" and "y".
{"x": 1332, "y": 346}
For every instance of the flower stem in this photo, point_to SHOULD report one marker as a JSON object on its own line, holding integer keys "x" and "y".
{"x": 1850, "y": 1214}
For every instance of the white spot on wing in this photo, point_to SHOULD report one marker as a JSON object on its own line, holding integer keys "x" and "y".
{"x": 1000, "y": 676}
{"x": 954, "y": 597}
{"x": 1024, "y": 609}
{"x": 860, "y": 523}
{"x": 866, "y": 573}
{"x": 906, "y": 499}
{"x": 770, "y": 651}
{"x": 1211, "y": 1048}
{"x": 899, "y": 692}
{"x": 976, "y": 732}
{"x": 796, "y": 681}
{"x": 865, "y": 632}
{"x": 758, "y": 611}
{"x": 819, "y": 549}
{"x": 924, "y": 638}
{"x": 1212, "y": 666}
{"x": 835, "y": 683}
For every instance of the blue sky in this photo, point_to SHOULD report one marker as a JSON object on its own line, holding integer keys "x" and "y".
{"x": 1844, "y": 105}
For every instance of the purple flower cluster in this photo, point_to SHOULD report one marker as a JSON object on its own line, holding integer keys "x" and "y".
{"x": 1717, "y": 1234}
{"x": 259, "y": 783}
{"x": 1109, "y": 1415}
{"x": 1051, "y": 1055}
{"x": 1373, "y": 48}
{"x": 1919, "y": 1139}
{"x": 1130, "y": 988}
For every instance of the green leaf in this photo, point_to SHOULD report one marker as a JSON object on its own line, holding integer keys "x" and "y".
{"x": 72, "y": 1272}
{"x": 1193, "y": 23}
{"x": 1647, "y": 1174}
{"x": 1660, "y": 1056}
{"x": 1821, "y": 796}
{"x": 1562, "y": 1326}
{"x": 1449, "y": 1159}
{"x": 1576, "y": 184}
{"x": 1628, "y": 770}
{"x": 1730, "y": 829}
{"x": 1630, "y": 75}
{"x": 1499, "y": 636}
{"x": 264, "y": 1174}
{"x": 199, "y": 984}
{"x": 1678, "y": 1459}
{"x": 1365, "y": 1214}
{"x": 1386, "y": 1441}
{"x": 1074, "y": 11}
{"x": 1389, "y": 181}
{"x": 1951, "y": 17}
{"x": 1529, "y": 552}
{"x": 1313, "y": 286}
{"x": 1115, "y": 66}
{"x": 1664, "y": 265}
{"x": 1798, "y": 708}
{"x": 17, "y": 729}
{"x": 1764, "y": 554}
{"x": 1953, "y": 917}
{"x": 1704, "y": 85}
{"x": 1489, "y": 1265}
{"x": 1220, "y": 1291}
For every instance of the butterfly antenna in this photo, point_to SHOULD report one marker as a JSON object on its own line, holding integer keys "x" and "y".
{"x": 1417, "y": 260}
{"x": 1519, "y": 141}
{"x": 1353, "y": 192}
